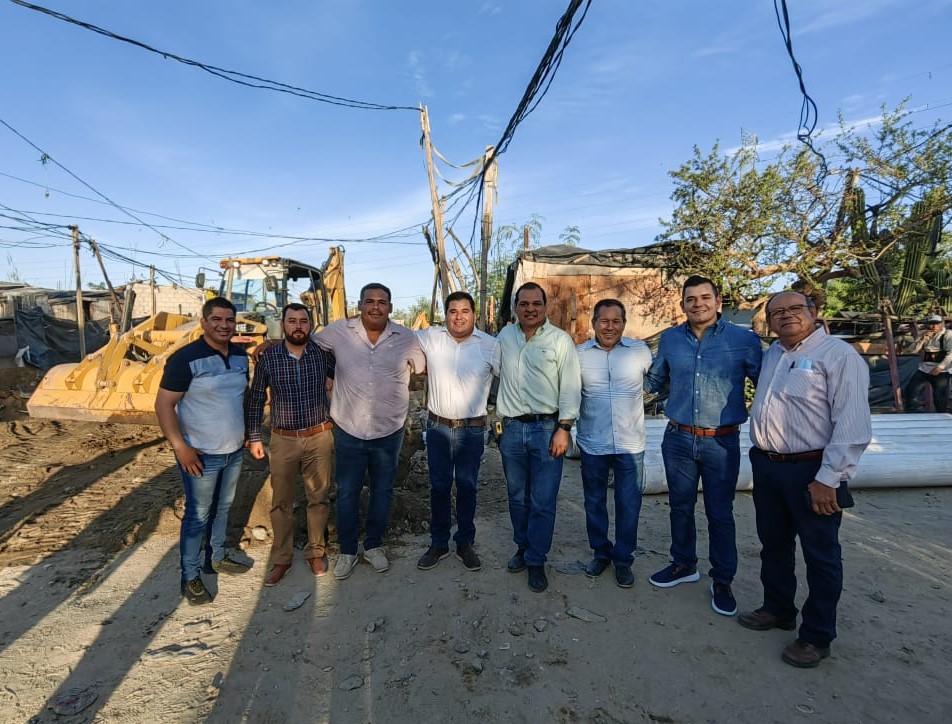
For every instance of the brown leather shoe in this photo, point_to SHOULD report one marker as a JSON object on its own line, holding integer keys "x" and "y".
{"x": 761, "y": 620}
{"x": 804, "y": 655}
{"x": 318, "y": 565}
{"x": 276, "y": 574}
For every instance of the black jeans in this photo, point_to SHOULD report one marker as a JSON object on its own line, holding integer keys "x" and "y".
{"x": 940, "y": 391}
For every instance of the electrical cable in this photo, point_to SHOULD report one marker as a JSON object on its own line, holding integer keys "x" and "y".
{"x": 245, "y": 79}
{"x": 808, "y": 109}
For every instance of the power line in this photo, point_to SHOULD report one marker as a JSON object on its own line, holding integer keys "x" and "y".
{"x": 47, "y": 158}
{"x": 233, "y": 76}
{"x": 808, "y": 110}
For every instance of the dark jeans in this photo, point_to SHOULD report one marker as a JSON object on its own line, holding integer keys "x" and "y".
{"x": 783, "y": 514}
{"x": 629, "y": 484}
{"x": 939, "y": 384}
{"x": 208, "y": 499}
{"x": 533, "y": 478}
{"x": 355, "y": 458}
{"x": 453, "y": 454}
{"x": 715, "y": 461}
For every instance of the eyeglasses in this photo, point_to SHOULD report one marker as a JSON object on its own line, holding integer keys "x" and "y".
{"x": 794, "y": 310}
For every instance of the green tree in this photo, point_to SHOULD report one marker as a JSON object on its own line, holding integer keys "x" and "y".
{"x": 755, "y": 224}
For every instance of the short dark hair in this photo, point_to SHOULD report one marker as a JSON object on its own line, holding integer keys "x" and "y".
{"x": 696, "y": 280}
{"x": 375, "y": 285}
{"x": 531, "y": 285}
{"x": 809, "y": 302}
{"x": 599, "y": 305}
{"x": 456, "y": 297}
{"x": 217, "y": 303}
{"x": 293, "y": 307}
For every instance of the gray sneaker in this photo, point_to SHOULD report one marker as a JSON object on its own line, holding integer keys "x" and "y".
{"x": 377, "y": 559}
{"x": 345, "y": 566}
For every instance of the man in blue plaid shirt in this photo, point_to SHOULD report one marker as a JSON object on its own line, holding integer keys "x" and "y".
{"x": 302, "y": 441}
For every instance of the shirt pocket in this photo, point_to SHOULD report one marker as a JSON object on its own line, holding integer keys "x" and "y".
{"x": 800, "y": 383}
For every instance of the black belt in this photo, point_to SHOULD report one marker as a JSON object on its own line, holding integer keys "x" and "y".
{"x": 536, "y": 418}
{"x": 775, "y": 457}
{"x": 462, "y": 422}
{"x": 705, "y": 431}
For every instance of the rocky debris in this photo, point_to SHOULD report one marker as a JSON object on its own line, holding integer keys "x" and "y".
{"x": 351, "y": 683}
{"x": 583, "y": 614}
{"x": 73, "y": 701}
{"x": 296, "y": 601}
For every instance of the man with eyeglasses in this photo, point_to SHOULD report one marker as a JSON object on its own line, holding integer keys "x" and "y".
{"x": 810, "y": 423}
{"x": 704, "y": 362}
{"x": 539, "y": 395}
{"x": 936, "y": 348}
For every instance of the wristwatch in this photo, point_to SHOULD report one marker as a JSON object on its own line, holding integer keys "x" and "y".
{"x": 567, "y": 426}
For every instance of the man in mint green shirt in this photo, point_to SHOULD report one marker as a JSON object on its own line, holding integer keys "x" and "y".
{"x": 540, "y": 390}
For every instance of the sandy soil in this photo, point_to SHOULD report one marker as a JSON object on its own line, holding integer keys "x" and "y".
{"x": 90, "y": 612}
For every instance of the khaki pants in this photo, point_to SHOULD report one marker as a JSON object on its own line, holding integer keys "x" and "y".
{"x": 312, "y": 457}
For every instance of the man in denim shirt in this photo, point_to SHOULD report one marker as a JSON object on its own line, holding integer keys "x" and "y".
{"x": 704, "y": 361}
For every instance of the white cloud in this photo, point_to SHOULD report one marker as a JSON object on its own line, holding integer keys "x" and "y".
{"x": 418, "y": 74}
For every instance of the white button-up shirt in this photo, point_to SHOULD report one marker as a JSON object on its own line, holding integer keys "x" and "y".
{"x": 612, "y": 416}
{"x": 458, "y": 373}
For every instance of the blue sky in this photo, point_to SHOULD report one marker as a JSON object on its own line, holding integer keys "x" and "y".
{"x": 640, "y": 84}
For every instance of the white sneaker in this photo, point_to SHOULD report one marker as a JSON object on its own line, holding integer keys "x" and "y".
{"x": 345, "y": 566}
{"x": 377, "y": 559}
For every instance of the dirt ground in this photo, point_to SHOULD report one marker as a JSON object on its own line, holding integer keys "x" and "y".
{"x": 90, "y": 614}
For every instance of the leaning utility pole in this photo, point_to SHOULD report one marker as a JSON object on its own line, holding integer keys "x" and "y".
{"x": 489, "y": 194}
{"x": 443, "y": 267}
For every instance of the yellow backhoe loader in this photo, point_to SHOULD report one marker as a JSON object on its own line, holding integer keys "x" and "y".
{"x": 119, "y": 382}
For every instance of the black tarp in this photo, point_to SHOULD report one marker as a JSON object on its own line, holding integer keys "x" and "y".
{"x": 53, "y": 341}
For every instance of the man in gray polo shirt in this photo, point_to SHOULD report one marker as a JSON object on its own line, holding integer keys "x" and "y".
{"x": 199, "y": 406}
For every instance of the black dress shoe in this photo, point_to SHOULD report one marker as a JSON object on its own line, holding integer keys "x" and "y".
{"x": 537, "y": 580}
{"x": 624, "y": 577}
{"x": 517, "y": 562}
{"x": 596, "y": 567}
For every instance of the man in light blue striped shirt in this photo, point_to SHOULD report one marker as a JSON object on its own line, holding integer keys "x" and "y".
{"x": 611, "y": 436}
{"x": 809, "y": 424}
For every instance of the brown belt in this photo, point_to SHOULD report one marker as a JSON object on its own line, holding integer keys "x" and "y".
{"x": 774, "y": 457}
{"x": 705, "y": 431}
{"x": 463, "y": 422}
{"x": 306, "y": 432}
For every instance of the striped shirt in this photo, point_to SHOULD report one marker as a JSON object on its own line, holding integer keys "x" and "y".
{"x": 814, "y": 397}
{"x": 298, "y": 389}
{"x": 612, "y": 417}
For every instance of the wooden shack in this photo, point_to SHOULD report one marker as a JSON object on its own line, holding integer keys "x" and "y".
{"x": 644, "y": 279}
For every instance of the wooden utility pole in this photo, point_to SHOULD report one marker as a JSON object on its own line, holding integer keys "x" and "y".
{"x": 152, "y": 287}
{"x": 116, "y": 304}
{"x": 525, "y": 237}
{"x": 80, "y": 313}
{"x": 442, "y": 266}
{"x": 489, "y": 195}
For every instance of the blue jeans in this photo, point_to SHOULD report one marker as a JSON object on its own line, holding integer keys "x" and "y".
{"x": 208, "y": 499}
{"x": 533, "y": 478}
{"x": 629, "y": 484}
{"x": 453, "y": 454}
{"x": 377, "y": 459}
{"x": 715, "y": 461}
{"x": 783, "y": 514}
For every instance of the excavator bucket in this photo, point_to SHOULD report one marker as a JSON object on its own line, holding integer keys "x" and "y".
{"x": 120, "y": 381}
{"x": 111, "y": 385}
